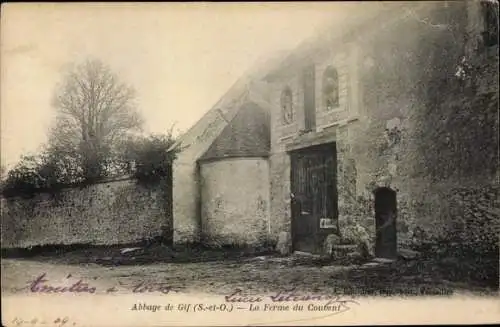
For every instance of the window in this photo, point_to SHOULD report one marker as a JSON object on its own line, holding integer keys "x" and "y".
{"x": 490, "y": 16}
{"x": 287, "y": 106}
{"x": 330, "y": 88}
{"x": 309, "y": 80}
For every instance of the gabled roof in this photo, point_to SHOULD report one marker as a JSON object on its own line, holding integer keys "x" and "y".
{"x": 247, "y": 89}
{"x": 220, "y": 109}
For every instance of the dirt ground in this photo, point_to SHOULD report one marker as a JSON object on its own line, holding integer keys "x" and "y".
{"x": 254, "y": 274}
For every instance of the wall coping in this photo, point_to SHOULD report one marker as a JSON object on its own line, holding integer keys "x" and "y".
{"x": 76, "y": 186}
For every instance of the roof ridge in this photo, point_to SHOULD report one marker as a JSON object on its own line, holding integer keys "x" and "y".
{"x": 213, "y": 108}
{"x": 240, "y": 88}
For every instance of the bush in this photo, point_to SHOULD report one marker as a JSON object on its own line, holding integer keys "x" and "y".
{"x": 32, "y": 174}
{"x": 149, "y": 159}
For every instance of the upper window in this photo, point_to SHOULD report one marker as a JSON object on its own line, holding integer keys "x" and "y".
{"x": 287, "y": 105}
{"x": 490, "y": 16}
{"x": 330, "y": 88}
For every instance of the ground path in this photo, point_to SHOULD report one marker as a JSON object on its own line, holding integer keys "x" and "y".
{"x": 258, "y": 275}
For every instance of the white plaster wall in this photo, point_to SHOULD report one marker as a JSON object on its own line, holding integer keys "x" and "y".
{"x": 235, "y": 201}
{"x": 186, "y": 221}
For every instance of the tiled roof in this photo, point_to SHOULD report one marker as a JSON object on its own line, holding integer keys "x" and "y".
{"x": 247, "y": 135}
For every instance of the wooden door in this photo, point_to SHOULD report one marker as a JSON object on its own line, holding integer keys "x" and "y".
{"x": 314, "y": 196}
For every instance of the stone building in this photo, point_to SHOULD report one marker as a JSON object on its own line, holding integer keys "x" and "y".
{"x": 354, "y": 133}
{"x": 221, "y": 176}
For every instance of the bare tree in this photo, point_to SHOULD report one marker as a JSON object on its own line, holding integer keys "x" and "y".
{"x": 94, "y": 110}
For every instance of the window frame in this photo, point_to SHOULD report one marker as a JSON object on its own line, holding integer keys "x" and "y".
{"x": 287, "y": 93}
{"x": 330, "y": 72}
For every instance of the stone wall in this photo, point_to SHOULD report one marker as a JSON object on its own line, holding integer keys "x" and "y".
{"x": 281, "y": 211}
{"x": 113, "y": 212}
{"x": 422, "y": 132}
{"x": 235, "y": 201}
{"x": 376, "y": 150}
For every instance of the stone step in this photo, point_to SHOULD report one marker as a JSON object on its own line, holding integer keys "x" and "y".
{"x": 383, "y": 260}
{"x": 408, "y": 254}
{"x": 306, "y": 254}
{"x": 345, "y": 248}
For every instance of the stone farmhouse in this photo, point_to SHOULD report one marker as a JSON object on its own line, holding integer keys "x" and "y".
{"x": 357, "y": 133}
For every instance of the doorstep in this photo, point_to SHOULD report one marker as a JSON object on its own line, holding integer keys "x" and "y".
{"x": 306, "y": 254}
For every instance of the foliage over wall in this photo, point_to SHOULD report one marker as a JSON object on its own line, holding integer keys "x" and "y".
{"x": 147, "y": 159}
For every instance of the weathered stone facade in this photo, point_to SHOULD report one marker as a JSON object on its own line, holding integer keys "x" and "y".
{"x": 385, "y": 73}
{"x": 403, "y": 79}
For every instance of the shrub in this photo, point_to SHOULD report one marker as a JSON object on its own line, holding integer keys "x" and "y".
{"x": 149, "y": 159}
{"x": 30, "y": 175}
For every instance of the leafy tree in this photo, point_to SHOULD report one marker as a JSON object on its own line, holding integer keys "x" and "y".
{"x": 94, "y": 111}
{"x": 149, "y": 158}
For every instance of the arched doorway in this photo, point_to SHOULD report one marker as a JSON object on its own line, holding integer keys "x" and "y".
{"x": 385, "y": 223}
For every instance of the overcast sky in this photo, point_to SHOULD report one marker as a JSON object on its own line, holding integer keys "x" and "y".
{"x": 180, "y": 58}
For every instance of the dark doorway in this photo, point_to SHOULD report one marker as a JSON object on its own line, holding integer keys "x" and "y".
{"x": 314, "y": 196}
{"x": 385, "y": 223}
{"x": 309, "y": 79}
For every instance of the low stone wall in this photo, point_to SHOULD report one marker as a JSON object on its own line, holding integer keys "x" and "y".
{"x": 113, "y": 212}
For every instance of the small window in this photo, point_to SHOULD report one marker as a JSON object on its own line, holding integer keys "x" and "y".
{"x": 490, "y": 16}
{"x": 330, "y": 88}
{"x": 287, "y": 106}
